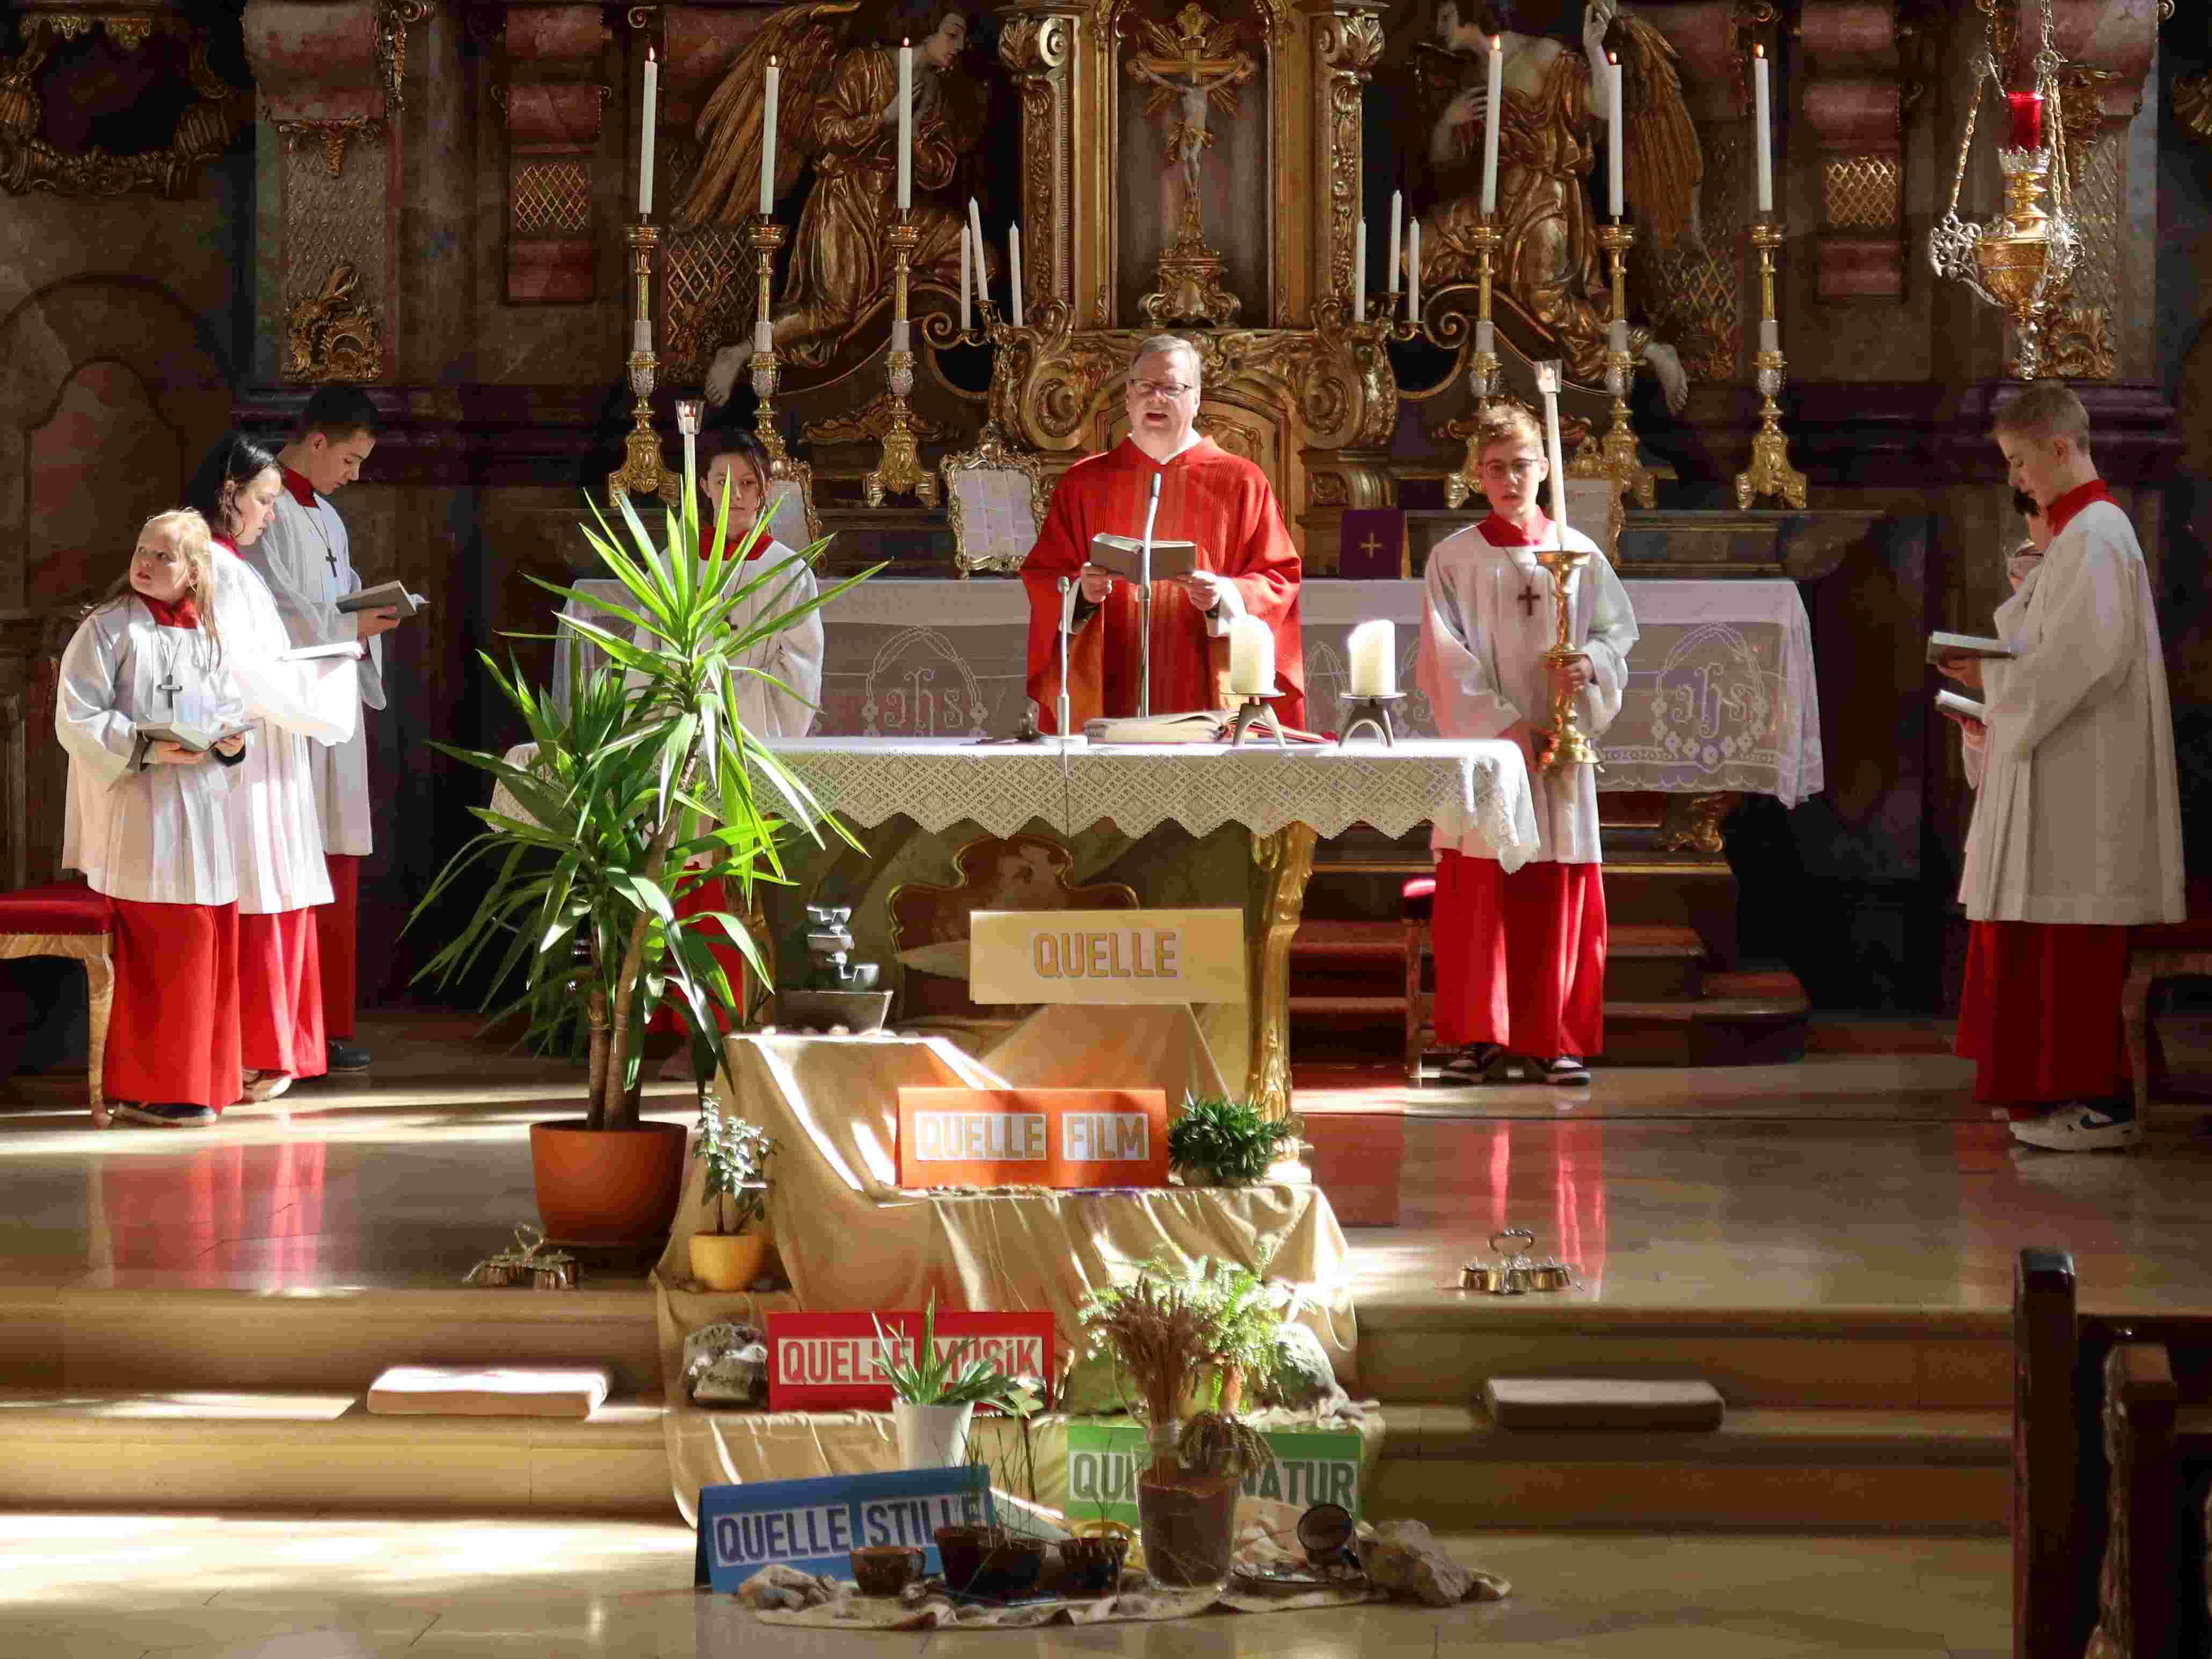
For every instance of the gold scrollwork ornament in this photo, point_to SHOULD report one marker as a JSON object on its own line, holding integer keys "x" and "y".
{"x": 332, "y": 336}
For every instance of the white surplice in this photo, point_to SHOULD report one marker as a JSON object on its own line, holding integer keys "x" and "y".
{"x": 792, "y": 656}
{"x": 2006, "y": 622}
{"x": 304, "y": 558}
{"x": 2079, "y": 817}
{"x": 1490, "y": 615}
{"x": 159, "y": 835}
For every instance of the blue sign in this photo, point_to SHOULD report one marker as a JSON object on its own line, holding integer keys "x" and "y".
{"x": 813, "y": 1525}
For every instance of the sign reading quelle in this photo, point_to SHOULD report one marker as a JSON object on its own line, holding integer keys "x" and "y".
{"x": 1106, "y": 956}
{"x": 813, "y": 1525}
{"x": 820, "y": 1361}
{"x": 1032, "y": 1137}
{"x": 1311, "y": 1466}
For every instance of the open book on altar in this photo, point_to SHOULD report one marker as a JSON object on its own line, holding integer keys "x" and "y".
{"x": 1124, "y": 557}
{"x": 1941, "y": 646}
{"x": 1950, "y": 702}
{"x": 1199, "y": 725}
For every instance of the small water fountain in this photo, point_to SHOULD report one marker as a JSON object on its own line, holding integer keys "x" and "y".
{"x": 838, "y": 991}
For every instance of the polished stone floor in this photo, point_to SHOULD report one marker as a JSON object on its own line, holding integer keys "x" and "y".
{"x": 334, "y": 1587}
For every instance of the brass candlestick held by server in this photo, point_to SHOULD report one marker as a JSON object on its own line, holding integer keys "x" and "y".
{"x": 641, "y": 472}
{"x": 1769, "y": 472}
{"x": 1570, "y": 745}
{"x": 898, "y": 472}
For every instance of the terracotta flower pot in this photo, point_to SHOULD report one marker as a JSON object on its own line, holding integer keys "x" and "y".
{"x": 607, "y": 1186}
{"x": 727, "y": 1261}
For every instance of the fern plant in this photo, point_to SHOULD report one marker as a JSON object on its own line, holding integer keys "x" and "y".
{"x": 1226, "y": 1142}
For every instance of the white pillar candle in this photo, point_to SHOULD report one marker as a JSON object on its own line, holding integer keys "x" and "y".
{"x": 1489, "y": 127}
{"x": 1014, "y": 267}
{"x": 768, "y": 142}
{"x": 1373, "y": 648}
{"x": 965, "y": 277}
{"x": 905, "y": 125}
{"x": 1762, "y": 120}
{"x": 1397, "y": 213}
{"x": 645, "y": 137}
{"x": 1251, "y": 657}
{"x": 1559, "y": 467}
{"x": 1413, "y": 273}
{"x": 1359, "y": 272}
{"x": 1613, "y": 145}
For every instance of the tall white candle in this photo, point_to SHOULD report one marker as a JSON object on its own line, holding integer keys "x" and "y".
{"x": 1373, "y": 648}
{"x": 965, "y": 279}
{"x": 1613, "y": 160}
{"x": 645, "y": 137}
{"x": 1413, "y": 273}
{"x": 1014, "y": 267}
{"x": 1490, "y": 126}
{"x": 1547, "y": 382}
{"x": 768, "y": 142}
{"x": 1761, "y": 119}
{"x": 1359, "y": 272}
{"x": 1397, "y": 213}
{"x": 1251, "y": 657}
{"x": 905, "y": 125}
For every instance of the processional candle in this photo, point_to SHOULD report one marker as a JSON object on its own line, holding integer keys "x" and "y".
{"x": 1251, "y": 658}
{"x": 1613, "y": 131}
{"x": 1761, "y": 120}
{"x": 1373, "y": 648}
{"x": 645, "y": 138}
{"x": 1547, "y": 383}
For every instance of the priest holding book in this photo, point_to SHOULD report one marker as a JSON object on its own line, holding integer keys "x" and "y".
{"x": 1241, "y": 564}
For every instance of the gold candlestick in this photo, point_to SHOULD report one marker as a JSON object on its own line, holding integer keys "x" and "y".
{"x": 641, "y": 472}
{"x": 1570, "y": 745}
{"x": 766, "y": 236}
{"x": 1769, "y": 472}
{"x": 1616, "y": 455}
{"x": 898, "y": 470}
{"x": 1483, "y": 374}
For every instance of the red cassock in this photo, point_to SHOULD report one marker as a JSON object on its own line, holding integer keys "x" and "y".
{"x": 1219, "y": 501}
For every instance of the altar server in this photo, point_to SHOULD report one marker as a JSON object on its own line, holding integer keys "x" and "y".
{"x": 1521, "y": 957}
{"x": 1247, "y": 564}
{"x": 305, "y": 557}
{"x": 777, "y": 699}
{"x": 147, "y": 824}
{"x": 2076, "y": 832}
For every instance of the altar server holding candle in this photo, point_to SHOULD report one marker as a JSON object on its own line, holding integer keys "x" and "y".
{"x": 1521, "y": 955}
{"x": 1248, "y": 566}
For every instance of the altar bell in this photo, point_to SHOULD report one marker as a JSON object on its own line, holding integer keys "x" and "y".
{"x": 1521, "y": 954}
{"x": 305, "y": 557}
{"x": 277, "y": 831}
{"x": 1247, "y": 564}
{"x": 2076, "y": 832}
{"x": 2020, "y": 566}
{"x": 148, "y": 829}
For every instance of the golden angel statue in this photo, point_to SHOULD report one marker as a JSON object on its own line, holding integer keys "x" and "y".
{"x": 1551, "y": 293}
{"x": 838, "y": 113}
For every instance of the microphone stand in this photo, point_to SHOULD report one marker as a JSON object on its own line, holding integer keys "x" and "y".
{"x": 1145, "y": 607}
{"x": 1066, "y": 622}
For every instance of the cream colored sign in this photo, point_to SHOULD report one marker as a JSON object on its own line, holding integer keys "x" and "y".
{"x": 1106, "y": 956}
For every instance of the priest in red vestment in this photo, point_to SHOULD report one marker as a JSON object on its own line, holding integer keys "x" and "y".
{"x": 1247, "y": 565}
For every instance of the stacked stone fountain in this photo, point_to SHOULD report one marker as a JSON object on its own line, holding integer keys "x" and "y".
{"x": 840, "y": 995}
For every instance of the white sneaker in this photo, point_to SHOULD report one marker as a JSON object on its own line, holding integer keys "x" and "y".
{"x": 2078, "y": 1127}
{"x": 264, "y": 1085}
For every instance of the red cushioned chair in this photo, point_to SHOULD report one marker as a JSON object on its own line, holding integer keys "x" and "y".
{"x": 68, "y": 918}
{"x": 1420, "y": 897}
{"x": 2176, "y": 950}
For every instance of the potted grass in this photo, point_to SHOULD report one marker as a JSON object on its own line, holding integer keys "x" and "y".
{"x": 1217, "y": 1142}
{"x": 647, "y": 786}
{"x": 735, "y": 1154}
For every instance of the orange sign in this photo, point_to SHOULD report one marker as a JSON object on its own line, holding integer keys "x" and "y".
{"x": 1033, "y": 1138}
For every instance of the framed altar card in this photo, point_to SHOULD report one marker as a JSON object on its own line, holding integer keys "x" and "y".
{"x": 995, "y": 498}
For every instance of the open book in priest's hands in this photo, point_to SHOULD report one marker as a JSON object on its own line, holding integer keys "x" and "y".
{"x": 384, "y": 596}
{"x": 1124, "y": 557}
{"x": 1941, "y": 646}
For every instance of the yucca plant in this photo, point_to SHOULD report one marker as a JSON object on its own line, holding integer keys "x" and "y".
{"x": 647, "y": 786}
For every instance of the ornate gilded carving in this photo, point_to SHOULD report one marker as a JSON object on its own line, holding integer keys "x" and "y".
{"x": 1034, "y": 48}
{"x": 333, "y": 338}
{"x": 1285, "y": 862}
{"x": 1694, "y": 823}
{"x": 869, "y": 425}
{"x": 1346, "y": 46}
{"x": 1195, "y": 69}
{"x": 332, "y": 133}
{"x": 2077, "y": 344}
{"x": 2193, "y": 103}
{"x": 393, "y": 18}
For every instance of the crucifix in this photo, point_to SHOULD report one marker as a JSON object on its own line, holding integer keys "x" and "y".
{"x": 168, "y": 686}
{"x": 1527, "y": 600}
{"x": 1371, "y": 546}
{"x": 1196, "y": 68}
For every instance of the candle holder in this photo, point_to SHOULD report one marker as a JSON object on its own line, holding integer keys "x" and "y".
{"x": 641, "y": 472}
{"x": 1483, "y": 373}
{"x": 1570, "y": 745}
{"x": 1361, "y": 708}
{"x": 1616, "y": 452}
{"x": 1254, "y": 711}
{"x": 898, "y": 470}
{"x": 1769, "y": 472}
{"x": 766, "y": 235}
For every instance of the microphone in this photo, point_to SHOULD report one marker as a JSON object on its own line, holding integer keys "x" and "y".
{"x": 1144, "y": 592}
{"x": 1066, "y": 621}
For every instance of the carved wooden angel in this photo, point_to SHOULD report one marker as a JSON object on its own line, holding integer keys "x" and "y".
{"x": 838, "y": 114}
{"x": 1552, "y": 296}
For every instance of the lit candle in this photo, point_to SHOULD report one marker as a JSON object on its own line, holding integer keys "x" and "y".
{"x": 1359, "y": 272}
{"x": 1397, "y": 211}
{"x": 1489, "y": 127}
{"x": 1547, "y": 383}
{"x": 906, "y": 125}
{"x": 1014, "y": 268}
{"x": 1374, "y": 650}
{"x": 964, "y": 278}
{"x": 645, "y": 138}
{"x": 1251, "y": 657}
{"x": 768, "y": 142}
{"x": 1613, "y": 129}
{"x": 1762, "y": 121}
{"x": 1413, "y": 273}
{"x": 2026, "y": 120}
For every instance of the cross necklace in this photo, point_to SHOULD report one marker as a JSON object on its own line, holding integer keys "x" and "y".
{"x": 1526, "y": 599}
{"x": 168, "y": 685}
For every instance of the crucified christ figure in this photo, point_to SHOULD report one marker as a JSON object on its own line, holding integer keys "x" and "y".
{"x": 1190, "y": 137}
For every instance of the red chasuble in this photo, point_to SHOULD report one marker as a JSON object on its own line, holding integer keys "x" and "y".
{"x": 1219, "y": 501}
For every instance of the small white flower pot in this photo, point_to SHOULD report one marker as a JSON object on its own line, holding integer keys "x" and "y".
{"x": 931, "y": 1437}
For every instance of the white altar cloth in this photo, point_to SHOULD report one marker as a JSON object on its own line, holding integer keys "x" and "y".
{"x": 1721, "y": 691}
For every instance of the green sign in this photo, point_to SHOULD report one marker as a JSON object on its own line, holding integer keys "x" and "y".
{"x": 1311, "y": 1466}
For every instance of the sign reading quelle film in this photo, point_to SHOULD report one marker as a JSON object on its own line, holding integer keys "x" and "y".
{"x": 813, "y": 1525}
{"x": 1032, "y": 1137}
{"x": 1311, "y": 1466}
{"x": 1106, "y": 956}
{"x": 825, "y": 1361}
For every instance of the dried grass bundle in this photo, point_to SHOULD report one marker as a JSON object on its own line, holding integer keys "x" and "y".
{"x": 1157, "y": 1335}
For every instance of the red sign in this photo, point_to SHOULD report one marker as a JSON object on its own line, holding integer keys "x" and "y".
{"x": 819, "y": 1361}
{"x": 1033, "y": 1138}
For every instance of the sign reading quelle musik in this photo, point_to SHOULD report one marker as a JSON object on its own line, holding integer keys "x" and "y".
{"x": 1032, "y": 1137}
{"x": 821, "y": 1361}
{"x": 1106, "y": 956}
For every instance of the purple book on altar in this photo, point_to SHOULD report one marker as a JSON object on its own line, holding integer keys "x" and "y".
{"x": 1373, "y": 545}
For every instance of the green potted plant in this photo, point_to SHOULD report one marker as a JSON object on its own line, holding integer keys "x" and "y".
{"x": 934, "y": 1394}
{"x": 648, "y": 786}
{"x": 1217, "y": 1142}
{"x": 735, "y": 1154}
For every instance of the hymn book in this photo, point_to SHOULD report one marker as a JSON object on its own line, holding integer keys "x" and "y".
{"x": 315, "y": 653}
{"x": 1950, "y": 702}
{"x": 194, "y": 739}
{"x": 1124, "y": 557}
{"x": 1967, "y": 645}
{"x": 1199, "y": 725}
{"x": 384, "y": 596}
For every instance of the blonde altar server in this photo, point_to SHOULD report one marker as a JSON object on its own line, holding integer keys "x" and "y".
{"x": 305, "y": 557}
{"x": 1521, "y": 957}
{"x": 2076, "y": 832}
{"x": 148, "y": 829}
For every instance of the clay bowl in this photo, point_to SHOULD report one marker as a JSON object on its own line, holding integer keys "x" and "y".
{"x": 1011, "y": 1567}
{"x": 962, "y": 1550}
{"x": 885, "y": 1569}
{"x": 1092, "y": 1566}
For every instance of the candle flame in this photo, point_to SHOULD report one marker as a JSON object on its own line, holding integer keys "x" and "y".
{"x": 1497, "y": 43}
{"x": 1613, "y": 57}
{"x": 771, "y": 60}
{"x": 1757, "y": 49}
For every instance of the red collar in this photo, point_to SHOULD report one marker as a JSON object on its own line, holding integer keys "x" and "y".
{"x": 1500, "y": 532}
{"x": 183, "y": 613}
{"x": 223, "y": 542}
{"x": 758, "y": 545}
{"x": 2062, "y": 510}
{"x": 297, "y": 487}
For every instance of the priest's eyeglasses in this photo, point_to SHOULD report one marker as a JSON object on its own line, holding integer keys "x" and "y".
{"x": 1514, "y": 469}
{"x": 1167, "y": 389}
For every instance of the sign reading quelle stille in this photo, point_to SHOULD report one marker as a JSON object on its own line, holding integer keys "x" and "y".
{"x": 1106, "y": 956}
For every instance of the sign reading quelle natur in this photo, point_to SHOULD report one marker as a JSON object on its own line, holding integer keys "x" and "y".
{"x": 1106, "y": 956}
